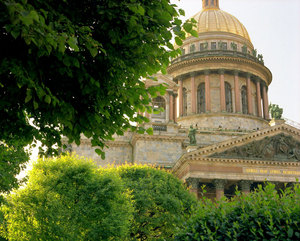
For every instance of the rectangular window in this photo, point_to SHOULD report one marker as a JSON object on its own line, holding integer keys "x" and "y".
{"x": 224, "y": 46}
{"x": 192, "y": 48}
{"x": 202, "y": 47}
{"x": 213, "y": 45}
{"x": 182, "y": 51}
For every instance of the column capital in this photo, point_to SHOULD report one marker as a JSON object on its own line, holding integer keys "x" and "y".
{"x": 221, "y": 71}
{"x": 170, "y": 92}
{"x": 193, "y": 74}
{"x": 248, "y": 75}
{"x": 219, "y": 184}
{"x": 236, "y": 72}
{"x": 180, "y": 78}
{"x": 206, "y": 72}
{"x": 175, "y": 95}
{"x": 257, "y": 79}
{"x": 245, "y": 185}
{"x": 192, "y": 182}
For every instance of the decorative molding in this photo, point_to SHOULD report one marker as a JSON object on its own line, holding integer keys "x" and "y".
{"x": 279, "y": 148}
{"x": 215, "y": 59}
{"x": 137, "y": 137}
{"x": 219, "y": 184}
{"x": 203, "y": 153}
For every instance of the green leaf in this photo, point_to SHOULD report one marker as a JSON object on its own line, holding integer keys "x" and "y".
{"x": 178, "y": 41}
{"x": 47, "y": 99}
{"x": 35, "y": 105}
{"x": 15, "y": 33}
{"x": 181, "y": 12}
{"x": 28, "y": 95}
{"x": 93, "y": 52}
{"x": 150, "y": 131}
{"x": 194, "y": 33}
{"x": 290, "y": 232}
{"x": 72, "y": 41}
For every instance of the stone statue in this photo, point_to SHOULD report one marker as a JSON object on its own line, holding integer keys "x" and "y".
{"x": 192, "y": 135}
{"x": 276, "y": 111}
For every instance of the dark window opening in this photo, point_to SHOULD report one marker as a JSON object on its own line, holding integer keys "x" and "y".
{"x": 184, "y": 101}
{"x": 201, "y": 98}
{"x": 244, "y": 100}
{"x": 228, "y": 97}
{"x": 213, "y": 45}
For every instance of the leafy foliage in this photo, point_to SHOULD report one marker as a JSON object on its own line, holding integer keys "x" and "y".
{"x": 262, "y": 215}
{"x": 68, "y": 199}
{"x": 75, "y": 67}
{"x": 12, "y": 160}
{"x": 162, "y": 204}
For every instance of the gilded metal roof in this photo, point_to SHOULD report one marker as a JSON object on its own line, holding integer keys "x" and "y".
{"x": 216, "y": 20}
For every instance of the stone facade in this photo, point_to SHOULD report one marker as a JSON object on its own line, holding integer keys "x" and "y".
{"x": 234, "y": 82}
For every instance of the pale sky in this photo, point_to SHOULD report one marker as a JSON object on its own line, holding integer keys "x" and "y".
{"x": 274, "y": 29}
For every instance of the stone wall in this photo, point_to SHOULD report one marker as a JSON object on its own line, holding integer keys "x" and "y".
{"x": 157, "y": 152}
{"x": 225, "y": 120}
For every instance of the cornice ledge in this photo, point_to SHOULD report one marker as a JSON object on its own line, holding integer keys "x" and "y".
{"x": 176, "y": 66}
{"x": 248, "y": 161}
{"x": 198, "y": 154}
{"x": 157, "y": 137}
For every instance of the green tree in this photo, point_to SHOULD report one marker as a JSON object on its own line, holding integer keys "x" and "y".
{"x": 75, "y": 67}
{"x": 68, "y": 199}
{"x": 264, "y": 214}
{"x": 12, "y": 160}
{"x": 161, "y": 201}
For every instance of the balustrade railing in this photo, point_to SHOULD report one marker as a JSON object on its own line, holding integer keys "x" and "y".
{"x": 217, "y": 52}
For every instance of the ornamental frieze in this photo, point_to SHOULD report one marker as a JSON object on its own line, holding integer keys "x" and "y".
{"x": 279, "y": 148}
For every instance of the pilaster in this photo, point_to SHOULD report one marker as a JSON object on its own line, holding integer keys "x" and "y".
{"x": 249, "y": 95}
{"x": 193, "y": 93}
{"x": 258, "y": 98}
{"x": 219, "y": 186}
{"x": 207, "y": 91}
{"x": 237, "y": 94}
{"x": 222, "y": 90}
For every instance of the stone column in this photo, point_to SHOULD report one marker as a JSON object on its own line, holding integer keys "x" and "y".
{"x": 245, "y": 186}
{"x": 175, "y": 108}
{"x": 220, "y": 186}
{"x": 249, "y": 95}
{"x": 258, "y": 96}
{"x": 265, "y": 102}
{"x": 222, "y": 90}
{"x": 193, "y": 93}
{"x": 237, "y": 94}
{"x": 207, "y": 91}
{"x": 171, "y": 108}
{"x": 180, "y": 97}
{"x": 193, "y": 184}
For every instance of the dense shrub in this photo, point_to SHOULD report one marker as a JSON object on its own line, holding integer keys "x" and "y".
{"x": 262, "y": 215}
{"x": 161, "y": 201}
{"x": 68, "y": 199}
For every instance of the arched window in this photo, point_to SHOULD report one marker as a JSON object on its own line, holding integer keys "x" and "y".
{"x": 184, "y": 101}
{"x": 206, "y": 3}
{"x": 159, "y": 102}
{"x": 201, "y": 98}
{"x": 212, "y": 2}
{"x": 228, "y": 97}
{"x": 244, "y": 100}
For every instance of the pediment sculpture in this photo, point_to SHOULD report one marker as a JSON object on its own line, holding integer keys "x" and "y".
{"x": 279, "y": 148}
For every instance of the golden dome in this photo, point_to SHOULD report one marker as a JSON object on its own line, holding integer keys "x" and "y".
{"x": 212, "y": 19}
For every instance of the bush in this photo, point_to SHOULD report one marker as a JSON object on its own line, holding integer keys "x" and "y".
{"x": 161, "y": 201}
{"x": 68, "y": 199}
{"x": 262, "y": 215}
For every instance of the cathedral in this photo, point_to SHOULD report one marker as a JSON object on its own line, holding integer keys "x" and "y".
{"x": 215, "y": 128}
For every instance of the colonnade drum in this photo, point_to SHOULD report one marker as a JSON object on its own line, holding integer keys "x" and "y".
{"x": 222, "y": 80}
